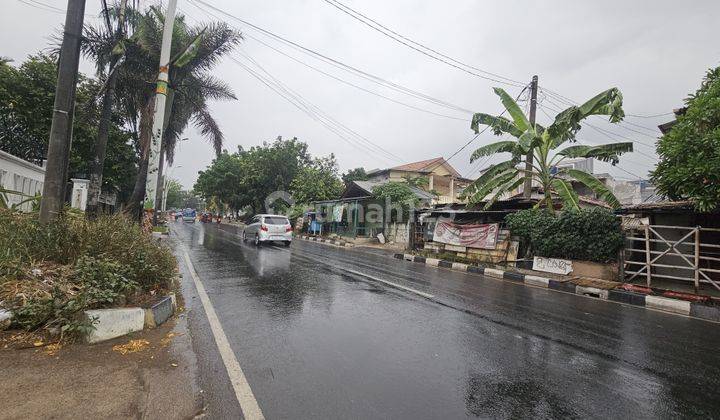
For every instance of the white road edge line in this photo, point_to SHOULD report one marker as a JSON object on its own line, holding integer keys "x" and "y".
{"x": 243, "y": 392}
{"x": 417, "y": 292}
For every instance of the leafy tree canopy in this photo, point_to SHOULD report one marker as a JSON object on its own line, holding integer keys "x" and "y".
{"x": 357, "y": 174}
{"x": 397, "y": 194}
{"x": 505, "y": 177}
{"x": 27, "y": 94}
{"x": 317, "y": 181}
{"x": 689, "y": 167}
{"x": 246, "y": 178}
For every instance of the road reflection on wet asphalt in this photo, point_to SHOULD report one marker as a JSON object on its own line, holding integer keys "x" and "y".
{"x": 317, "y": 341}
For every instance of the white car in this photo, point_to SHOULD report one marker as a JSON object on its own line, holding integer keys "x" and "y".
{"x": 268, "y": 228}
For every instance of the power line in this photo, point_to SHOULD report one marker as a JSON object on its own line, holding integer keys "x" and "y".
{"x": 45, "y": 8}
{"x": 394, "y": 35}
{"x": 336, "y": 63}
{"x": 364, "y": 19}
{"x": 356, "y": 86}
{"x": 568, "y": 101}
{"x": 606, "y": 133}
{"x": 478, "y": 134}
{"x": 304, "y": 106}
{"x": 319, "y": 111}
{"x": 615, "y": 166}
{"x": 651, "y": 116}
{"x": 308, "y": 107}
{"x": 48, "y": 7}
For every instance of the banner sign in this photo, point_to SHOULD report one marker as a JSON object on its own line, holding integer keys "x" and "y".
{"x": 552, "y": 265}
{"x": 471, "y": 236}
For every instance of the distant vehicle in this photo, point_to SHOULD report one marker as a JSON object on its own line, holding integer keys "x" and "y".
{"x": 189, "y": 215}
{"x": 268, "y": 228}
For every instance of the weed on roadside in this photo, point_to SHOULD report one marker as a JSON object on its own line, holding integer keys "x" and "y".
{"x": 50, "y": 274}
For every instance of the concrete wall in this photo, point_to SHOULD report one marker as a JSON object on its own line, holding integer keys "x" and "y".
{"x": 397, "y": 233}
{"x": 19, "y": 175}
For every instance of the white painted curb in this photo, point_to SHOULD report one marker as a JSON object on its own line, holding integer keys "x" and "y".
{"x": 593, "y": 292}
{"x": 432, "y": 261}
{"x": 537, "y": 281}
{"x": 459, "y": 266}
{"x": 112, "y": 323}
{"x": 493, "y": 272}
{"x": 669, "y": 305}
{"x": 5, "y": 319}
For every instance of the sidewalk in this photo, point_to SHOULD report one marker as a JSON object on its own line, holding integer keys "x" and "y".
{"x": 154, "y": 379}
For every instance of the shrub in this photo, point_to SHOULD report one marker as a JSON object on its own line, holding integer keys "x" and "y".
{"x": 588, "y": 234}
{"x": 49, "y": 273}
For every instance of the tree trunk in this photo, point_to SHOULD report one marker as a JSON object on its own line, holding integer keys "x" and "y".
{"x": 134, "y": 204}
{"x": 96, "y": 166}
{"x": 98, "y": 162}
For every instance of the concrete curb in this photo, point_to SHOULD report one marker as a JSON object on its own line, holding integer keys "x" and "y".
{"x": 5, "y": 319}
{"x": 116, "y": 322}
{"x": 628, "y": 297}
{"x": 334, "y": 242}
{"x": 112, "y": 323}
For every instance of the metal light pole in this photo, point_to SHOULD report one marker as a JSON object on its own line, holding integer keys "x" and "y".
{"x": 158, "y": 121}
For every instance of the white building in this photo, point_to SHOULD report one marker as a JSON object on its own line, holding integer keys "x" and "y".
{"x": 22, "y": 176}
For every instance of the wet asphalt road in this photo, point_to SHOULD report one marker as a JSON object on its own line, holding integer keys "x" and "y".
{"x": 318, "y": 341}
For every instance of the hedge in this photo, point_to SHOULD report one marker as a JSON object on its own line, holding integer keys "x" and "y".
{"x": 592, "y": 234}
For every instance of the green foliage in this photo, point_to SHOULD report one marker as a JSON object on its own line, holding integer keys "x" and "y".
{"x": 174, "y": 194}
{"x": 246, "y": 178}
{"x": 357, "y": 174}
{"x": 396, "y": 193}
{"x": 588, "y": 234}
{"x": 317, "y": 181}
{"x": 689, "y": 167}
{"x": 193, "y": 84}
{"x": 27, "y": 94}
{"x": 504, "y": 177}
{"x": 90, "y": 264}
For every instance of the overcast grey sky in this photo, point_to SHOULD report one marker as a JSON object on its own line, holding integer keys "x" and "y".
{"x": 656, "y": 52}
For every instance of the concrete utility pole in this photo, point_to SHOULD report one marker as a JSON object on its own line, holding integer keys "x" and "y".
{"x": 527, "y": 187}
{"x": 151, "y": 185}
{"x": 53, "y": 195}
{"x": 96, "y": 166}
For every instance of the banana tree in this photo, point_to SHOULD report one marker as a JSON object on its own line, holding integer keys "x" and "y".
{"x": 504, "y": 177}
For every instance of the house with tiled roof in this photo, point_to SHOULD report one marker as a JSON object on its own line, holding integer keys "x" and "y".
{"x": 442, "y": 179}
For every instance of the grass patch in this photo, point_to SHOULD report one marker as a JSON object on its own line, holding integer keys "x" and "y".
{"x": 50, "y": 274}
{"x": 161, "y": 229}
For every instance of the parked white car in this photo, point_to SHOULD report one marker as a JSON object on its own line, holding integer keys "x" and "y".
{"x": 268, "y": 228}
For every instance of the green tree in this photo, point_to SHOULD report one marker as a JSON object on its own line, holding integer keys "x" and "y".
{"x": 224, "y": 180}
{"x": 689, "y": 167}
{"x": 174, "y": 194}
{"x": 27, "y": 94}
{"x": 317, "y": 181}
{"x": 357, "y": 174}
{"x": 504, "y": 177}
{"x": 192, "y": 84}
{"x": 396, "y": 193}
{"x": 246, "y": 178}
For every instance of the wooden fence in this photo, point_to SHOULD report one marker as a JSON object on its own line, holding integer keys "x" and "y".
{"x": 678, "y": 253}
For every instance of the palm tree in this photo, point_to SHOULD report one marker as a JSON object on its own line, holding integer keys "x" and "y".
{"x": 192, "y": 83}
{"x": 504, "y": 177}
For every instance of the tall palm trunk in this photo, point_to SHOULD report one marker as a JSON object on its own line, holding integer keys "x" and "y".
{"x": 134, "y": 205}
